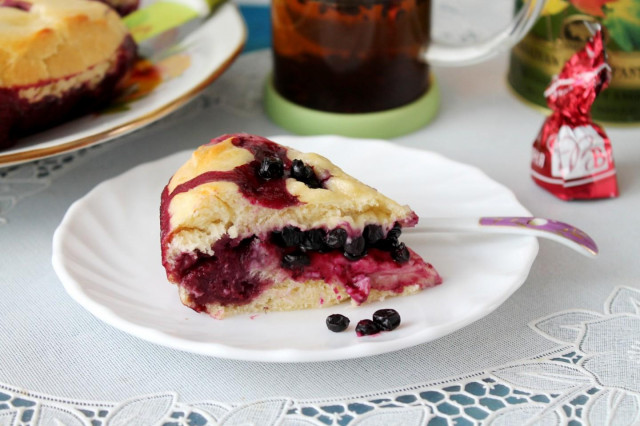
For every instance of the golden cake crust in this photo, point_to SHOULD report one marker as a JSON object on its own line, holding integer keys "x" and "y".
{"x": 291, "y": 295}
{"x": 202, "y": 215}
{"x": 56, "y": 39}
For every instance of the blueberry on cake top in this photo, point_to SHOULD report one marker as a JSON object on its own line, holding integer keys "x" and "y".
{"x": 248, "y": 225}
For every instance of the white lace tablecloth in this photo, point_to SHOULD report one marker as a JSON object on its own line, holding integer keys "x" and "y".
{"x": 564, "y": 349}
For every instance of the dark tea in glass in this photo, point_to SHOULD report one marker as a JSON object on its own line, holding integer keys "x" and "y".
{"x": 351, "y": 56}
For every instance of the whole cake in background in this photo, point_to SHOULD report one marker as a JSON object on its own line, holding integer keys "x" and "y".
{"x": 123, "y": 7}
{"x": 58, "y": 59}
{"x": 248, "y": 225}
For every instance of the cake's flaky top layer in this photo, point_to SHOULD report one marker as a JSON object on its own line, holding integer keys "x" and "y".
{"x": 41, "y": 40}
{"x": 200, "y": 216}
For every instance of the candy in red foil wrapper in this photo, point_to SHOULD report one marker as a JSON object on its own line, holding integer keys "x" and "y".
{"x": 572, "y": 155}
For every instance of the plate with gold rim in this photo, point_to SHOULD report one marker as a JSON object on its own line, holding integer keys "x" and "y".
{"x": 182, "y": 67}
{"x": 106, "y": 253}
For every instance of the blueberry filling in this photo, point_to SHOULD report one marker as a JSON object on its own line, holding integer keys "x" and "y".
{"x": 321, "y": 241}
{"x": 337, "y": 323}
{"x": 289, "y": 236}
{"x": 386, "y": 245}
{"x": 314, "y": 240}
{"x": 400, "y": 253}
{"x": 221, "y": 278}
{"x": 395, "y": 232}
{"x": 367, "y": 327}
{"x": 390, "y": 243}
{"x": 336, "y": 238}
{"x": 356, "y": 248}
{"x": 232, "y": 275}
{"x": 372, "y": 234}
{"x": 295, "y": 260}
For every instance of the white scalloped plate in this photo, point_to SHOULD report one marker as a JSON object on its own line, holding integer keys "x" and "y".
{"x": 106, "y": 253}
{"x": 210, "y": 49}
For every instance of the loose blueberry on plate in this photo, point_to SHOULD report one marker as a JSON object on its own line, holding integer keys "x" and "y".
{"x": 367, "y": 327}
{"x": 337, "y": 323}
{"x": 387, "y": 319}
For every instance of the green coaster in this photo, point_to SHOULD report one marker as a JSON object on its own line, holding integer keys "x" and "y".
{"x": 384, "y": 124}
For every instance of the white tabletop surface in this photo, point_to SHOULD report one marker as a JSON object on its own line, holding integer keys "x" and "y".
{"x": 59, "y": 360}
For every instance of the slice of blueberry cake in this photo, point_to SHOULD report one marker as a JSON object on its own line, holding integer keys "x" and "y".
{"x": 248, "y": 225}
{"x": 59, "y": 59}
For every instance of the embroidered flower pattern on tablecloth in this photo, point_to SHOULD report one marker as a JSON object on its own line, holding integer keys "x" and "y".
{"x": 21, "y": 181}
{"x": 593, "y": 378}
{"x": 607, "y": 366}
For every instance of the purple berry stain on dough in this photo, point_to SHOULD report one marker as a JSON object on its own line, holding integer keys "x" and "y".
{"x": 267, "y": 193}
{"x": 16, "y": 4}
{"x": 227, "y": 277}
